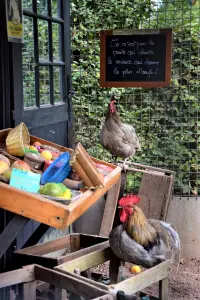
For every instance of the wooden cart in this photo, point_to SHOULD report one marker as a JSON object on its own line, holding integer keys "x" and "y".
{"x": 30, "y": 206}
{"x": 27, "y": 277}
{"x": 130, "y": 286}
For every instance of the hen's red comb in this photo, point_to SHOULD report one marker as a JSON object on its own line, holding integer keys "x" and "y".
{"x": 112, "y": 105}
{"x": 129, "y": 199}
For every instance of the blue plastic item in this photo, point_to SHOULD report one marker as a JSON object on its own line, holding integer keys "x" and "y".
{"x": 58, "y": 170}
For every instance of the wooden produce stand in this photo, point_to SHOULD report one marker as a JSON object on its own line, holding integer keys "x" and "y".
{"x": 33, "y": 206}
{"x": 29, "y": 275}
{"x": 130, "y": 286}
{"x": 59, "y": 251}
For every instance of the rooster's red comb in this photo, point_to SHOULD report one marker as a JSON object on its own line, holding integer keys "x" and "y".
{"x": 129, "y": 199}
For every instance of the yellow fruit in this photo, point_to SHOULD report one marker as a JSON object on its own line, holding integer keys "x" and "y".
{"x": 7, "y": 174}
{"x": 46, "y": 154}
{"x": 136, "y": 269}
{"x": 3, "y": 166}
{"x": 32, "y": 148}
{"x": 67, "y": 195}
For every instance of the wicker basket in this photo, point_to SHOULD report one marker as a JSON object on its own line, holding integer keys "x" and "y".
{"x": 17, "y": 139}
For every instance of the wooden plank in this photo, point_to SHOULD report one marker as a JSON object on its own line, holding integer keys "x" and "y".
{"x": 36, "y": 236}
{"x": 110, "y": 209}
{"x": 75, "y": 242}
{"x": 169, "y": 193}
{"x": 11, "y": 232}
{"x": 153, "y": 194}
{"x": 163, "y": 289}
{"x": 50, "y": 212}
{"x": 33, "y": 206}
{"x": 18, "y": 276}
{"x": 47, "y": 247}
{"x": 68, "y": 283}
{"x": 140, "y": 281}
{"x": 148, "y": 167}
{"x": 87, "y": 261}
{"x": 29, "y": 290}
{"x": 88, "y": 240}
{"x": 82, "y": 252}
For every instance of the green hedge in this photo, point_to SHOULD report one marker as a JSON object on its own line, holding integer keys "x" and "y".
{"x": 165, "y": 119}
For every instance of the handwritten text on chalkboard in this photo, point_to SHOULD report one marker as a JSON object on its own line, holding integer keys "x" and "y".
{"x": 135, "y": 57}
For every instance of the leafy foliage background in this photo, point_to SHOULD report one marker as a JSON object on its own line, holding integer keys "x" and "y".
{"x": 166, "y": 119}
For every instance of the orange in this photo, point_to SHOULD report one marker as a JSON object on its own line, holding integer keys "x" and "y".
{"x": 37, "y": 144}
{"x": 136, "y": 269}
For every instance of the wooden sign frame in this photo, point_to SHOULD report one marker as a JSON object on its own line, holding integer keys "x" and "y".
{"x": 168, "y": 62}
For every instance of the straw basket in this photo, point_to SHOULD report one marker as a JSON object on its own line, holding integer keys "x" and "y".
{"x": 17, "y": 139}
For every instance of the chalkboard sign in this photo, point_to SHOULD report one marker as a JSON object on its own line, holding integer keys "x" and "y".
{"x": 135, "y": 58}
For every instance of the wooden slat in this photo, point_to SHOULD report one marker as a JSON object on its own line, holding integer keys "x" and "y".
{"x": 148, "y": 167}
{"x": 153, "y": 194}
{"x": 33, "y": 206}
{"x": 47, "y": 247}
{"x": 68, "y": 283}
{"x": 169, "y": 193}
{"x": 11, "y": 232}
{"x": 29, "y": 290}
{"x": 110, "y": 209}
{"x": 82, "y": 252}
{"x": 163, "y": 289}
{"x": 18, "y": 276}
{"x": 87, "y": 261}
{"x": 140, "y": 281}
{"x": 75, "y": 242}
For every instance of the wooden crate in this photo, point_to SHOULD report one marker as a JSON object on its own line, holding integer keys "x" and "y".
{"x": 130, "y": 286}
{"x": 29, "y": 275}
{"x": 47, "y": 211}
{"x": 54, "y": 253}
{"x": 156, "y": 189}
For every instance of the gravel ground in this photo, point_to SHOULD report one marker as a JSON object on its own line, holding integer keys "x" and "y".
{"x": 184, "y": 284}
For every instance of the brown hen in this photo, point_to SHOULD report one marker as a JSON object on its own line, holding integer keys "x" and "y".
{"x": 118, "y": 138}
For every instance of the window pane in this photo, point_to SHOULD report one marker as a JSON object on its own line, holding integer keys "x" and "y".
{"x": 54, "y": 8}
{"x": 56, "y": 28}
{"x": 28, "y": 64}
{"x": 58, "y": 94}
{"x": 42, "y": 7}
{"x": 44, "y": 86}
{"x": 27, "y": 4}
{"x": 43, "y": 40}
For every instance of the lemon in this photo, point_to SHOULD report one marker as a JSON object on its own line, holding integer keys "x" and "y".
{"x": 67, "y": 195}
{"x": 32, "y": 148}
{"x": 136, "y": 269}
{"x": 46, "y": 154}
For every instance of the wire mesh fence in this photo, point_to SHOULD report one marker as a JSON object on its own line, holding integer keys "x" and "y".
{"x": 166, "y": 119}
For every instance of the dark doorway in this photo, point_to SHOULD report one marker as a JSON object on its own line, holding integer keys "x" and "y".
{"x": 42, "y": 71}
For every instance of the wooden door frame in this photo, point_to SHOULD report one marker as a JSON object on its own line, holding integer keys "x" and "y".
{"x": 11, "y": 87}
{"x": 6, "y": 101}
